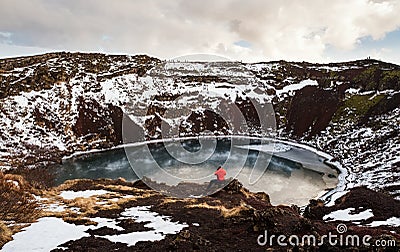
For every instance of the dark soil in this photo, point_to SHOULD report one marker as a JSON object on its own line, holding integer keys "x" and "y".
{"x": 382, "y": 205}
{"x": 233, "y": 218}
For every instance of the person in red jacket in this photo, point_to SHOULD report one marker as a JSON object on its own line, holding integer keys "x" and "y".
{"x": 220, "y": 173}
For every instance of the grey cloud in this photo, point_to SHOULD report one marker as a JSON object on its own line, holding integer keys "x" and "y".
{"x": 275, "y": 29}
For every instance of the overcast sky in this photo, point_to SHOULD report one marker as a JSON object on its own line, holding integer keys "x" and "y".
{"x": 259, "y": 30}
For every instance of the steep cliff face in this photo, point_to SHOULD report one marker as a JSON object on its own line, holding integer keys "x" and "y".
{"x": 311, "y": 110}
{"x": 95, "y": 122}
{"x": 67, "y": 102}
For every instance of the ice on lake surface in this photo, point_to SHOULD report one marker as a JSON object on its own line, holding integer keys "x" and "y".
{"x": 289, "y": 173}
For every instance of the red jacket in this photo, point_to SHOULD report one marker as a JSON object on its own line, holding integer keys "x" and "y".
{"x": 220, "y": 174}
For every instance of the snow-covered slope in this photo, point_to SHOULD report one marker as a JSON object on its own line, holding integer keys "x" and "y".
{"x": 55, "y": 104}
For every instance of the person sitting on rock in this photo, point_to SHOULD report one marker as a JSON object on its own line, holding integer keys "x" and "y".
{"x": 220, "y": 173}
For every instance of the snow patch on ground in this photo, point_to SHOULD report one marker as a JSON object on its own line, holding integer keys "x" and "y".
{"x": 394, "y": 222}
{"x": 162, "y": 225}
{"x": 55, "y": 208}
{"x": 45, "y": 235}
{"x": 334, "y": 197}
{"x": 298, "y": 86}
{"x": 50, "y": 232}
{"x": 105, "y": 222}
{"x": 70, "y": 195}
{"x": 348, "y": 215}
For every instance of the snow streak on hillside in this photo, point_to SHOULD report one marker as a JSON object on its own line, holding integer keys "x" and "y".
{"x": 63, "y": 103}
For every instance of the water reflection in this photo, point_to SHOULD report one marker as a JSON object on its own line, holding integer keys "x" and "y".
{"x": 285, "y": 180}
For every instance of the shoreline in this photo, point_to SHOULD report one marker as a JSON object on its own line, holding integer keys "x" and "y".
{"x": 325, "y": 195}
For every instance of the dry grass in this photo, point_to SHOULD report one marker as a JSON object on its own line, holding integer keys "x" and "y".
{"x": 17, "y": 203}
{"x": 5, "y": 234}
{"x": 39, "y": 178}
{"x": 175, "y": 200}
{"x": 89, "y": 206}
{"x": 121, "y": 188}
{"x": 86, "y": 205}
{"x": 79, "y": 220}
{"x": 225, "y": 212}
